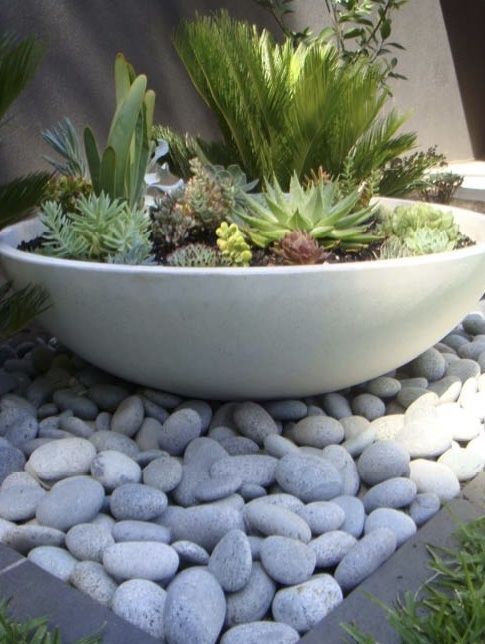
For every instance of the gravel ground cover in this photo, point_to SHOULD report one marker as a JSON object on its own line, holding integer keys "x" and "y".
{"x": 237, "y": 522}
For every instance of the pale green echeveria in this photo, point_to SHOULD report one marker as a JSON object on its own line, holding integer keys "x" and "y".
{"x": 317, "y": 209}
{"x": 428, "y": 240}
{"x": 404, "y": 220}
{"x": 98, "y": 230}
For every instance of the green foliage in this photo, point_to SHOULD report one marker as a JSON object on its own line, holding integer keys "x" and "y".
{"x": 136, "y": 255}
{"x": 393, "y": 248}
{"x": 316, "y": 209}
{"x": 195, "y": 256}
{"x": 18, "y": 308}
{"x": 18, "y": 61}
{"x": 283, "y": 110}
{"x": 213, "y": 192}
{"x": 64, "y": 139}
{"x": 358, "y": 28}
{"x": 33, "y": 631}
{"x": 171, "y": 223}
{"x": 404, "y": 220}
{"x": 299, "y": 247}
{"x": 418, "y": 229}
{"x": 66, "y": 190}
{"x": 182, "y": 149}
{"x": 19, "y": 196}
{"x": 120, "y": 170}
{"x": 440, "y": 187}
{"x": 233, "y": 245}
{"x": 98, "y": 228}
{"x": 403, "y": 175}
{"x": 450, "y": 608}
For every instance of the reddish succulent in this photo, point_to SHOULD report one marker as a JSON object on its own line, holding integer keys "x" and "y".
{"x": 299, "y": 247}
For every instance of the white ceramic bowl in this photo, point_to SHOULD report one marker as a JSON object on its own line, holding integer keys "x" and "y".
{"x": 232, "y": 333}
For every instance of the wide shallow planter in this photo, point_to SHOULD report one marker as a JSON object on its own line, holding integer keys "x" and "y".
{"x": 231, "y": 333}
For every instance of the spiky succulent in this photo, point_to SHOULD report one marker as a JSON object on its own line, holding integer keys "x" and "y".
{"x": 195, "y": 256}
{"x": 96, "y": 229}
{"x": 299, "y": 247}
{"x": 213, "y": 192}
{"x": 316, "y": 209}
{"x": 171, "y": 223}
{"x": 233, "y": 245}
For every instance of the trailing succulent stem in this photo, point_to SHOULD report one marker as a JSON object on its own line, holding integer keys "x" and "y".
{"x": 120, "y": 170}
{"x": 317, "y": 210}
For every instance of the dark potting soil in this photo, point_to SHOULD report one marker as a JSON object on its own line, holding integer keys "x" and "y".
{"x": 261, "y": 257}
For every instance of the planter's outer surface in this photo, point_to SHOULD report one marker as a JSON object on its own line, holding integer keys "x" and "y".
{"x": 230, "y": 333}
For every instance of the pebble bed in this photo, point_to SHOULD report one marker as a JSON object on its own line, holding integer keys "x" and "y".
{"x": 239, "y": 522}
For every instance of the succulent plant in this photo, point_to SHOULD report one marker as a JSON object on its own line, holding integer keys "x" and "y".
{"x": 404, "y": 220}
{"x": 64, "y": 139}
{"x": 120, "y": 170}
{"x": 171, "y": 223}
{"x": 299, "y": 247}
{"x": 441, "y": 186}
{"x": 428, "y": 240}
{"x": 393, "y": 248}
{"x": 195, "y": 256}
{"x": 96, "y": 229}
{"x": 232, "y": 244}
{"x": 66, "y": 190}
{"x": 316, "y": 209}
{"x": 136, "y": 255}
{"x": 213, "y": 192}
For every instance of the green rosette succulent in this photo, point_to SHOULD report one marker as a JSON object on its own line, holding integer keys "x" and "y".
{"x": 317, "y": 209}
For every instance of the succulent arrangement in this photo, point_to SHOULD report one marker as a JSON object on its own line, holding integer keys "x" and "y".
{"x": 418, "y": 229}
{"x": 308, "y": 198}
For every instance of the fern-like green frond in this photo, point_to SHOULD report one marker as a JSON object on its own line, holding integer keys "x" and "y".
{"x": 283, "y": 110}
{"x": 19, "y": 196}
{"x": 18, "y": 61}
{"x": 18, "y": 308}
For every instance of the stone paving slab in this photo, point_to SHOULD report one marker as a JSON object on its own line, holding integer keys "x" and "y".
{"x": 32, "y": 592}
{"x": 406, "y": 570}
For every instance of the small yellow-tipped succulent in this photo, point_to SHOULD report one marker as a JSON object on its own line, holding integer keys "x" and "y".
{"x": 232, "y": 245}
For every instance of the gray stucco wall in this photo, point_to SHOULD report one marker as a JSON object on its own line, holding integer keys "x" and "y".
{"x": 83, "y": 36}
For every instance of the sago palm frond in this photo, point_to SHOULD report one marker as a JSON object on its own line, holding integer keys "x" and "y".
{"x": 381, "y": 143}
{"x": 18, "y": 61}
{"x": 244, "y": 78}
{"x": 18, "y": 308}
{"x": 20, "y": 195}
{"x": 282, "y": 109}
